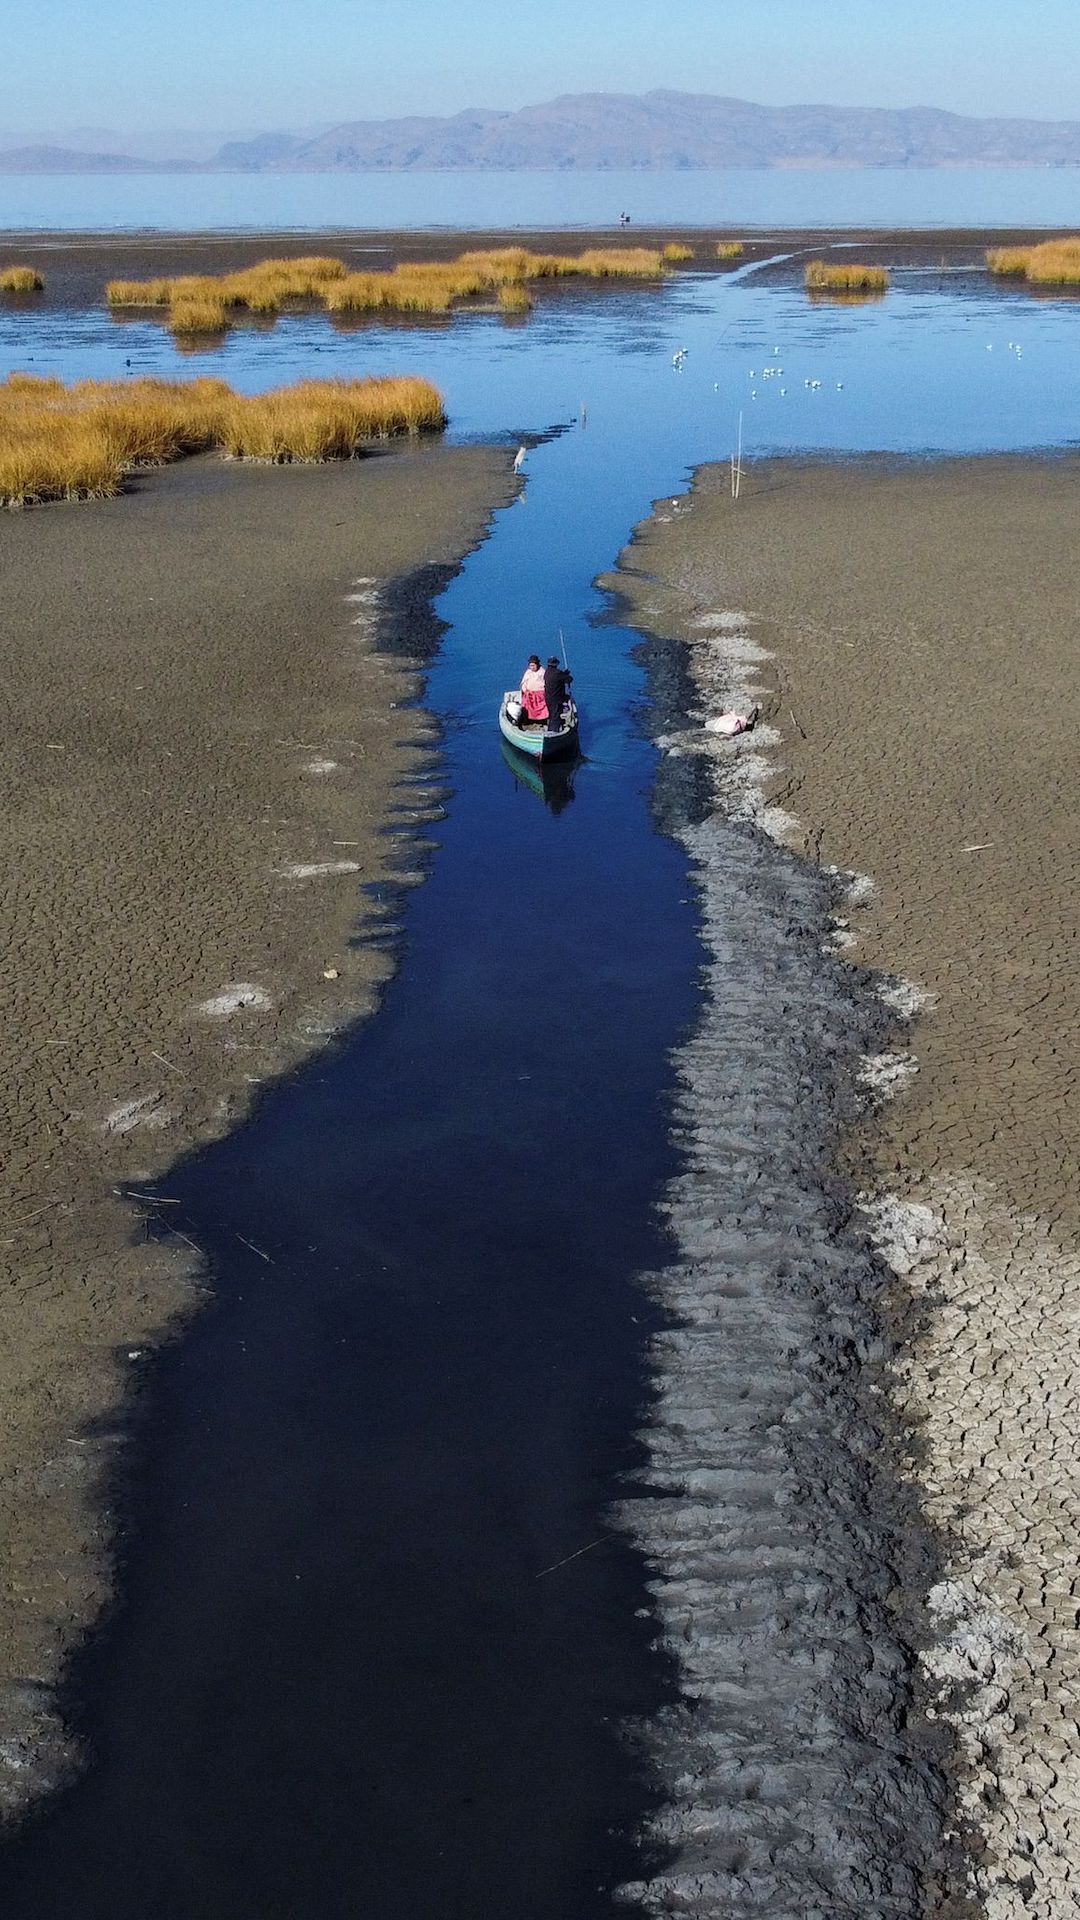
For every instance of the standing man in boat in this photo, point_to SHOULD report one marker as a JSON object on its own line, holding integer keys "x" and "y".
{"x": 556, "y": 687}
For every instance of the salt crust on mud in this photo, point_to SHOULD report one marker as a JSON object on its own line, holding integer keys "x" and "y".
{"x": 986, "y": 1387}
{"x": 991, "y": 1392}
{"x": 797, "y": 1776}
{"x": 238, "y": 997}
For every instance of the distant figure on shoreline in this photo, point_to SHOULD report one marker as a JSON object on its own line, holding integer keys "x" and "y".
{"x": 624, "y": 219}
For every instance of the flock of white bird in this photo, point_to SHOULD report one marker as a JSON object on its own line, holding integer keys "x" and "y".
{"x": 678, "y": 361}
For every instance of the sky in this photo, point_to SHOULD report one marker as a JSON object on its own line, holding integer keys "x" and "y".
{"x": 225, "y": 64}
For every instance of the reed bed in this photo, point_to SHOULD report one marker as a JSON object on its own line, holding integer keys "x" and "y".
{"x": 514, "y": 298}
{"x": 617, "y": 263}
{"x": 199, "y": 313}
{"x": 138, "y": 293}
{"x": 676, "y": 250}
{"x": 1052, "y": 263}
{"x": 849, "y": 276}
{"x": 730, "y": 249}
{"x": 205, "y": 304}
{"x": 21, "y": 280}
{"x": 78, "y": 442}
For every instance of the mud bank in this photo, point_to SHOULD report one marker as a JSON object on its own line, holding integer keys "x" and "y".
{"x": 210, "y": 727}
{"x": 787, "y": 1554}
{"x": 78, "y": 265}
{"x": 910, "y": 639}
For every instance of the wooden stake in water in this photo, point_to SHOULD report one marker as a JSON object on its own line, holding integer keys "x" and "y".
{"x": 736, "y": 466}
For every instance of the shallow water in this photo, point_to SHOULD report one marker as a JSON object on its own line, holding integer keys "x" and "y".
{"x": 377, "y": 1640}
{"x": 948, "y": 362}
{"x": 747, "y": 197}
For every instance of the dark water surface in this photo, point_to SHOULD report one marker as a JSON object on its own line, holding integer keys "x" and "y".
{"x": 349, "y": 1674}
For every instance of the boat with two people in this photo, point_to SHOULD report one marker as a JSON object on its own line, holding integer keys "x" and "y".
{"x": 541, "y": 718}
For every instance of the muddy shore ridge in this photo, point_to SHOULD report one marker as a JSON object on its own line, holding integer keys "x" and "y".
{"x": 890, "y": 1028}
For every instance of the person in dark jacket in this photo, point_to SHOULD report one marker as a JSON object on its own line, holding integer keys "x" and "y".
{"x": 556, "y": 687}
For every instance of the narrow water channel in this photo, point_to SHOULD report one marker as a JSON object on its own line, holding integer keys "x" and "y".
{"x": 377, "y": 1644}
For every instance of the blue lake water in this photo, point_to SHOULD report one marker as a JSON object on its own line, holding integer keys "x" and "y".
{"x": 751, "y": 198}
{"x": 343, "y": 1678}
{"x": 948, "y": 362}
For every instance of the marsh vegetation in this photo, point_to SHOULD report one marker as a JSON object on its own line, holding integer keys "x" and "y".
{"x": 207, "y": 303}
{"x": 21, "y": 280}
{"x": 79, "y": 442}
{"x": 1051, "y": 263}
{"x": 848, "y": 276}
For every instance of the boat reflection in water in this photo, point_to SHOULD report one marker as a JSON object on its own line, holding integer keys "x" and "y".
{"x": 552, "y": 781}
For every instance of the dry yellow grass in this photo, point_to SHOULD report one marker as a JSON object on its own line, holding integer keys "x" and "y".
{"x": 35, "y": 384}
{"x": 138, "y": 293}
{"x": 1008, "y": 259}
{"x": 76, "y": 442}
{"x": 21, "y": 280}
{"x": 199, "y": 313}
{"x": 849, "y": 276}
{"x": 1053, "y": 263}
{"x": 203, "y": 303}
{"x": 514, "y": 298}
{"x": 617, "y": 263}
{"x": 675, "y": 250}
{"x": 327, "y": 419}
{"x": 730, "y": 249}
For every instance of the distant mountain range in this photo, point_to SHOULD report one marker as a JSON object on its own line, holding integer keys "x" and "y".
{"x": 588, "y": 130}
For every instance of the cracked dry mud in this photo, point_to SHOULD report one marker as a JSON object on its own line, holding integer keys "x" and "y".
{"x": 202, "y": 747}
{"x": 910, "y": 629}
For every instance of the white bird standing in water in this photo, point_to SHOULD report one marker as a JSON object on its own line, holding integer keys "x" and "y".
{"x": 519, "y": 459}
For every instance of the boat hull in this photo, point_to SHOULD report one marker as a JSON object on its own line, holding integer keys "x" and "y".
{"x": 535, "y": 741}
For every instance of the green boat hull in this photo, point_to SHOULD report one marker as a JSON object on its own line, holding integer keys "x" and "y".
{"x": 535, "y": 741}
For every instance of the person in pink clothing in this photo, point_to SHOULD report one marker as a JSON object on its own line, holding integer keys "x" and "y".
{"x": 532, "y": 690}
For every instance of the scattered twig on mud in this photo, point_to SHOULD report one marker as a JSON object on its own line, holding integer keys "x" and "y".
{"x": 254, "y": 1249}
{"x": 979, "y": 847}
{"x": 148, "y": 1199}
{"x": 556, "y": 1564}
{"x": 168, "y": 1063}
{"x": 28, "y": 1217}
{"x": 795, "y": 723}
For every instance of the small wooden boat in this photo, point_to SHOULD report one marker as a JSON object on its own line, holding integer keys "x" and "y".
{"x": 532, "y": 736}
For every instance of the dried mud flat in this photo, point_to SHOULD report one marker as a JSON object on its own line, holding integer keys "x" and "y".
{"x": 879, "y": 1544}
{"x": 208, "y": 730}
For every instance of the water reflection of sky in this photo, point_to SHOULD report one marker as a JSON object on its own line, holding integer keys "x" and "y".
{"x": 756, "y": 197}
{"x": 933, "y": 367}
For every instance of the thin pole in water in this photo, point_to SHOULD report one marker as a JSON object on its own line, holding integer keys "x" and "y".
{"x": 736, "y": 466}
